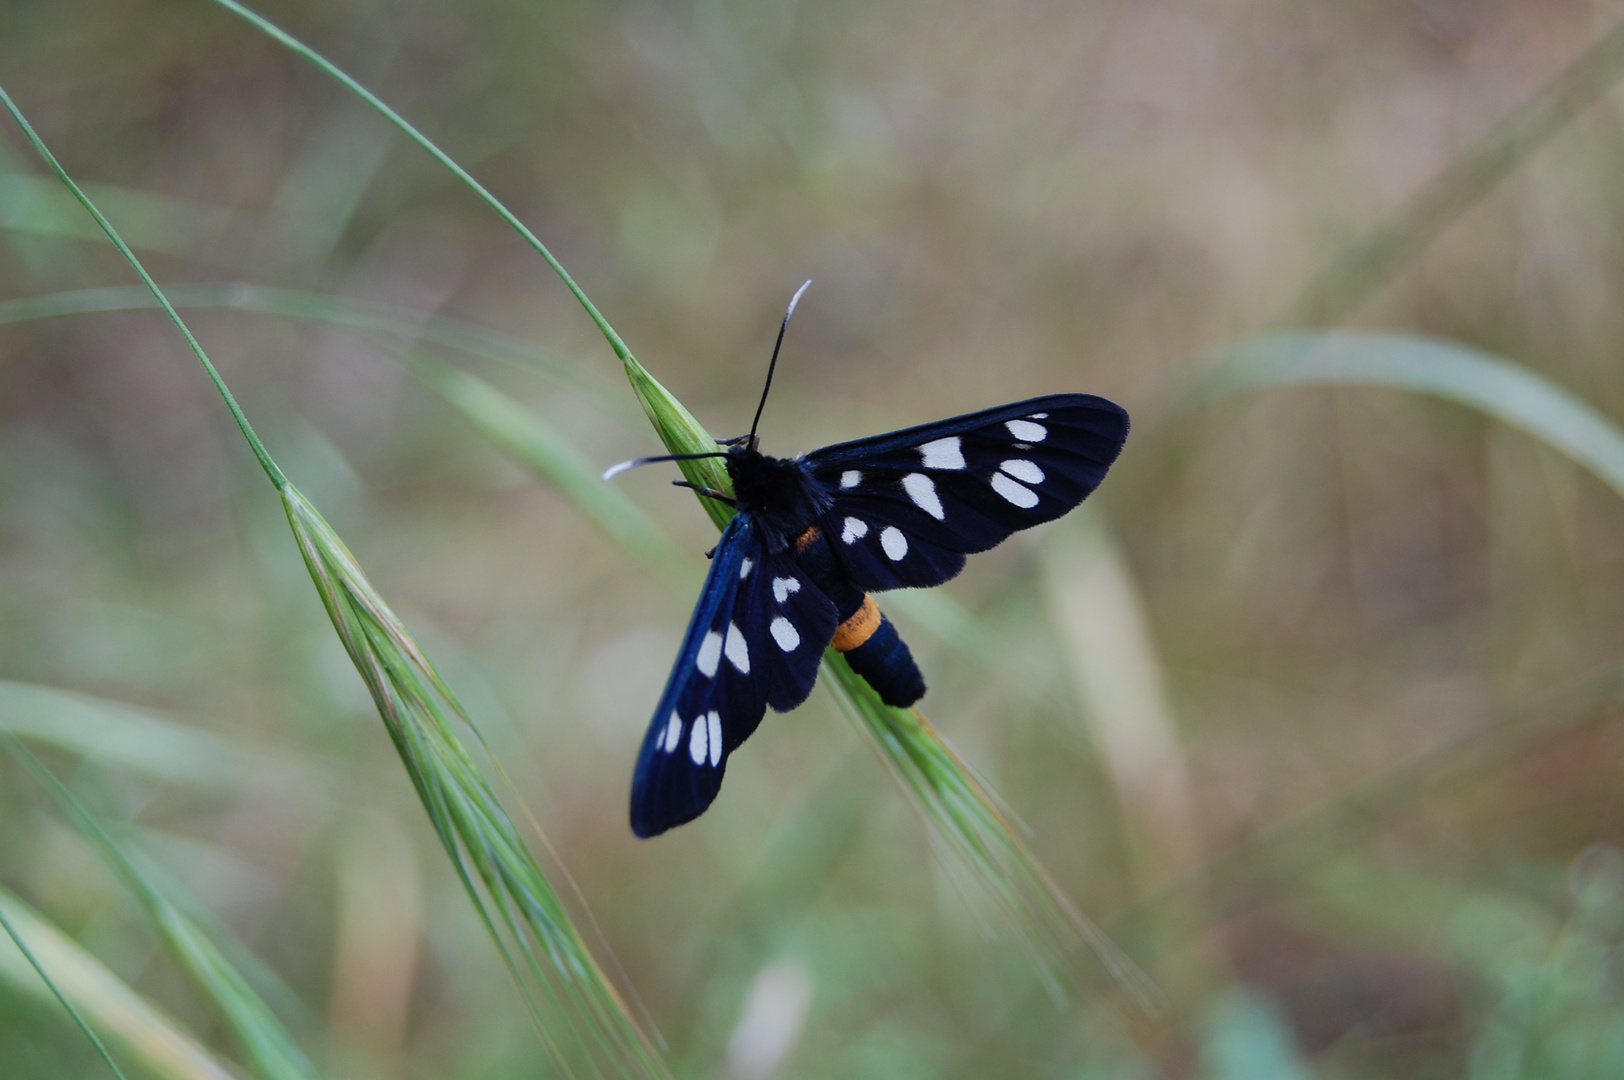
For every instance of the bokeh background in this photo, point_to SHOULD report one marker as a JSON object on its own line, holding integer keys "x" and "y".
{"x": 1314, "y": 708}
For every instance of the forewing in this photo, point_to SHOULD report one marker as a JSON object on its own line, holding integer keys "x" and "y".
{"x": 754, "y": 639}
{"x": 910, "y": 504}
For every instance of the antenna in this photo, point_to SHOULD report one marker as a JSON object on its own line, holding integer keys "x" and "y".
{"x": 773, "y": 363}
{"x": 615, "y": 470}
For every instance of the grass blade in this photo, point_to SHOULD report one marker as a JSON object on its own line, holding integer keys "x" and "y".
{"x": 1511, "y": 394}
{"x": 480, "y": 839}
{"x": 123, "y": 1017}
{"x": 264, "y": 1040}
{"x": 1469, "y": 176}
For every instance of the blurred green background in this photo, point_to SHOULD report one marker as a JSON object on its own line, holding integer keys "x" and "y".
{"x": 1314, "y": 708}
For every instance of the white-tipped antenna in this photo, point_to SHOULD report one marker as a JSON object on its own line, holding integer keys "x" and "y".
{"x": 615, "y": 470}
{"x": 772, "y": 364}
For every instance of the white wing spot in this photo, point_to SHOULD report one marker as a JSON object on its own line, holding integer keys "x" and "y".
{"x": 850, "y": 478}
{"x": 1021, "y": 469}
{"x": 714, "y": 723}
{"x": 738, "y": 653}
{"x": 922, "y": 490}
{"x": 744, "y": 569}
{"x": 1021, "y": 496}
{"x": 894, "y": 543}
{"x": 942, "y": 453}
{"x": 1026, "y": 431}
{"x": 710, "y": 654}
{"x": 696, "y": 740}
{"x": 854, "y": 531}
{"x": 673, "y": 732}
{"x": 1040, "y": 416}
{"x": 783, "y": 586}
{"x": 783, "y": 632}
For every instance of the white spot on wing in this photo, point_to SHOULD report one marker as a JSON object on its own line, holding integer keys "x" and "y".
{"x": 744, "y": 569}
{"x": 783, "y": 632}
{"x": 710, "y": 654}
{"x": 714, "y": 722}
{"x": 697, "y": 739}
{"x": 783, "y": 586}
{"x": 1021, "y": 469}
{"x": 850, "y": 478}
{"x": 922, "y": 490}
{"x": 894, "y": 543}
{"x": 854, "y": 531}
{"x": 673, "y": 732}
{"x": 738, "y": 653}
{"x": 1021, "y": 496}
{"x": 942, "y": 453}
{"x": 1040, "y": 416}
{"x": 1026, "y": 431}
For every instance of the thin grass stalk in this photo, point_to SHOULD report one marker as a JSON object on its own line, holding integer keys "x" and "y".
{"x": 123, "y": 1018}
{"x": 269, "y": 1048}
{"x": 413, "y": 699}
{"x": 62, "y": 999}
{"x": 1469, "y": 176}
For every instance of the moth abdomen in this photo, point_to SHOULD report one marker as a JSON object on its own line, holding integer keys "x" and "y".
{"x": 884, "y": 662}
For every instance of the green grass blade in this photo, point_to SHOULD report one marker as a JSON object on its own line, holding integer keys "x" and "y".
{"x": 354, "y": 87}
{"x": 412, "y": 699}
{"x": 122, "y": 736}
{"x": 399, "y": 325}
{"x": 523, "y": 435}
{"x": 142, "y": 1031}
{"x": 265, "y": 1041}
{"x": 1469, "y": 176}
{"x": 154, "y": 222}
{"x": 1509, "y": 393}
{"x": 56, "y": 992}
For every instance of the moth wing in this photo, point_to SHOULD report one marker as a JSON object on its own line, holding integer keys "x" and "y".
{"x": 910, "y": 504}
{"x": 745, "y": 648}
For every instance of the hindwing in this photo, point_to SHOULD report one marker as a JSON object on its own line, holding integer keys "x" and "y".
{"x": 755, "y": 640}
{"x": 909, "y": 505}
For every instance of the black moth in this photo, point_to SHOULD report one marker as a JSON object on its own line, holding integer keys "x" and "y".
{"x": 815, "y": 534}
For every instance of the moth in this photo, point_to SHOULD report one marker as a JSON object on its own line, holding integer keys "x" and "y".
{"x": 816, "y": 535}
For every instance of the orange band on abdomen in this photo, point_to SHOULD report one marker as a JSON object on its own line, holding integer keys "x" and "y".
{"x": 807, "y": 539}
{"x": 859, "y": 628}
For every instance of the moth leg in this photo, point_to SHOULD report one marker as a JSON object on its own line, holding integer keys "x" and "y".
{"x": 709, "y": 493}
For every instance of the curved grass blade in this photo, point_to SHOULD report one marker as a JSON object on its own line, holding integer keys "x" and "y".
{"x": 56, "y": 992}
{"x": 484, "y": 847}
{"x": 398, "y": 324}
{"x": 1469, "y": 176}
{"x": 265, "y": 1042}
{"x": 1509, "y": 393}
{"x": 121, "y": 1016}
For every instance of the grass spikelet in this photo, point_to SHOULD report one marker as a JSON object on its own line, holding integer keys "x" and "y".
{"x": 589, "y": 1026}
